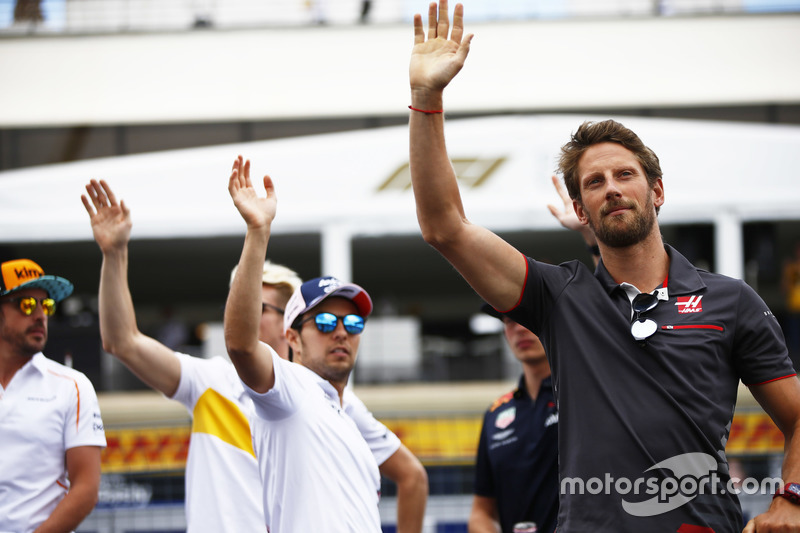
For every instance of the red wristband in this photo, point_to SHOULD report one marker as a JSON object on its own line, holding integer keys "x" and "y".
{"x": 427, "y": 112}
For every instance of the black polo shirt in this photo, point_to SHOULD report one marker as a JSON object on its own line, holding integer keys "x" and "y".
{"x": 637, "y": 420}
{"x": 517, "y": 461}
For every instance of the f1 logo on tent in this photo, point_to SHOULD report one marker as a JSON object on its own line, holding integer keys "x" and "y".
{"x": 689, "y": 304}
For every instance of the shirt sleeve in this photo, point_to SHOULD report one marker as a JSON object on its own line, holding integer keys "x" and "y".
{"x": 484, "y": 481}
{"x": 196, "y": 377}
{"x": 381, "y": 440}
{"x": 84, "y": 422}
{"x": 759, "y": 349}
{"x": 284, "y": 398}
{"x": 544, "y": 283}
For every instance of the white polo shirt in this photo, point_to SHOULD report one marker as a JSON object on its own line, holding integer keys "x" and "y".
{"x": 47, "y": 409}
{"x": 223, "y": 486}
{"x": 380, "y": 439}
{"x": 318, "y": 471}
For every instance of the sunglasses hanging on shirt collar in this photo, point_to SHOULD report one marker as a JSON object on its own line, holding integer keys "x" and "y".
{"x": 642, "y": 328}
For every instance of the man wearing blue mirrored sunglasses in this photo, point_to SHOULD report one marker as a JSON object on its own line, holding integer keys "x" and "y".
{"x": 309, "y": 314}
{"x": 223, "y": 486}
{"x": 316, "y": 466}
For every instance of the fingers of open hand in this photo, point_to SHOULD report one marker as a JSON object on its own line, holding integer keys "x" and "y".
{"x": 458, "y": 24}
{"x": 432, "y": 21}
{"x": 96, "y": 194}
{"x": 237, "y": 179}
{"x": 443, "y": 26}
{"x": 88, "y": 205}
{"x": 232, "y": 181}
{"x": 269, "y": 186}
{"x": 238, "y": 168}
{"x": 463, "y": 49}
{"x": 439, "y": 23}
{"x": 101, "y": 201}
{"x": 246, "y": 172}
{"x": 112, "y": 200}
{"x": 419, "y": 33}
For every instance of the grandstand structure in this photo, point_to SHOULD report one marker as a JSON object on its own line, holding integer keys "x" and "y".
{"x": 161, "y": 96}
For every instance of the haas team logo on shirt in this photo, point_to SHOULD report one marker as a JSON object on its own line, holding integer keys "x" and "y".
{"x": 505, "y": 418}
{"x": 689, "y": 304}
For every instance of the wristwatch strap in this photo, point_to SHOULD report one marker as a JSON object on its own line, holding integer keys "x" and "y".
{"x": 790, "y": 491}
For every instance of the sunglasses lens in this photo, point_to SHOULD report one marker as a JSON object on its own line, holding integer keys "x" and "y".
{"x": 353, "y": 324}
{"x": 644, "y": 302}
{"x": 49, "y": 306}
{"x": 643, "y": 328}
{"x": 27, "y": 305}
{"x": 326, "y": 322}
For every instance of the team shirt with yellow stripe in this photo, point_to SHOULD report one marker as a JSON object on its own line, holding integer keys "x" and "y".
{"x": 223, "y": 483}
{"x": 223, "y": 489}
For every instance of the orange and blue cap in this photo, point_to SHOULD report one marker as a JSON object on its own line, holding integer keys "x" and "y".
{"x": 19, "y": 274}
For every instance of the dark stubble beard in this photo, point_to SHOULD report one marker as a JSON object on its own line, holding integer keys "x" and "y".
{"x": 328, "y": 372}
{"x": 614, "y": 236}
{"x": 20, "y": 342}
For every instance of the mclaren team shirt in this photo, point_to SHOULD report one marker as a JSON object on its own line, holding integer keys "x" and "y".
{"x": 47, "y": 409}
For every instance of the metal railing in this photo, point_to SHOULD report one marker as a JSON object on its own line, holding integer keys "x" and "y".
{"x": 34, "y": 17}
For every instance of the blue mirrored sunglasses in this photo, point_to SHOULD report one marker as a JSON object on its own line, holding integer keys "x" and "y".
{"x": 327, "y": 322}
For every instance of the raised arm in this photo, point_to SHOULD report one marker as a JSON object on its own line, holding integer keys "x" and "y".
{"x": 251, "y": 358}
{"x": 490, "y": 265}
{"x": 151, "y": 361}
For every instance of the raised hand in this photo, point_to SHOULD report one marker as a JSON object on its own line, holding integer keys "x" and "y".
{"x": 257, "y": 212}
{"x": 437, "y": 60}
{"x": 111, "y": 221}
{"x": 567, "y": 217}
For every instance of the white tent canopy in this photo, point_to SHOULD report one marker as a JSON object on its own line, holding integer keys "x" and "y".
{"x": 724, "y": 173}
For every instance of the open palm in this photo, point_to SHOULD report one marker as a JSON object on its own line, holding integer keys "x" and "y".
{"x": 111, "y": 220}
{"x": 436, "y": 61}
{"x": 257, "y": 211}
